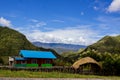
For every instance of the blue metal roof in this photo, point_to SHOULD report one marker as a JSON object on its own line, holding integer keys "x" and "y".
{"x": 19, "y": 58}
{"x": 37, "y": 54}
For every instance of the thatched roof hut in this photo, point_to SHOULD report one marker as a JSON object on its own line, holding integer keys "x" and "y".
{"x": 85, "y": 60}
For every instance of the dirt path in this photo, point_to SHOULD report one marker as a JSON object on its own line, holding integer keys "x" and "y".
{"x": 51, "y": 79}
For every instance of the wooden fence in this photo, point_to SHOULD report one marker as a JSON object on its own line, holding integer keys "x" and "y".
{"x": 64, "y": 69}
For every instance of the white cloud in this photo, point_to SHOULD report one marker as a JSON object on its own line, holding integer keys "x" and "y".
{"x": 108, "y": 25}
{"x": 112, "y": 21}
{"x": 34, "y": 20}
{"x": 76, "y": 35}
{"x": 5, "y": 22}
{"x": 34, "y": 23}
{"x": 114, "y": 6}
{"x": 39, "y": 24}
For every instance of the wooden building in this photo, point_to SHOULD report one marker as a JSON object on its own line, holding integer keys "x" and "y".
{"x": 29, "y": 58}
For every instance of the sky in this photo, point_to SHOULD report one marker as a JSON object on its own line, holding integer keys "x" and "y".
{"x": 80, "y": 22}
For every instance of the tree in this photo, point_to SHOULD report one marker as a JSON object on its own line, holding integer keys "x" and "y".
{"x": 1, "y": 61}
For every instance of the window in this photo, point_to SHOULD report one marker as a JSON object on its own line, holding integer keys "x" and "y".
{"x": 47, "y": 61}
{"x": 34, "y": 61}
{"x": 23, "y": 62}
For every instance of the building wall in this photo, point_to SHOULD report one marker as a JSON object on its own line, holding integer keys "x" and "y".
{"x": 35, "y": 61}
{"x": 11, "y": 61}
{"x": 44, "y": 61}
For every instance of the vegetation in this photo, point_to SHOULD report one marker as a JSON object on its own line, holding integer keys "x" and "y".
{"x": 12, "y": 41}
{"x": 28, "y": 74}
{"x": 107, "y": 44}
{"x": 106, "y": 51}
{"x": 110, "y": 62}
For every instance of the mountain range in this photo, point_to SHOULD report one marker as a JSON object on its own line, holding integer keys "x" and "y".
{"x": 59, "y": 47}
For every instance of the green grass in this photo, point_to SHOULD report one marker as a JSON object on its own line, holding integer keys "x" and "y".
{"x": 30, "y": 74}
{"x": 5, "y": 59}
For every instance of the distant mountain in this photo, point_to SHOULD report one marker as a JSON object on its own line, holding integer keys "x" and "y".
{"x": 109, "y": 44}
{"x": 12, "y": 41}
{"x": 59, "y": 47}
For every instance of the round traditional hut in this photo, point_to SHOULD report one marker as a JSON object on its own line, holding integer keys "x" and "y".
{"x": 87, "y": 65}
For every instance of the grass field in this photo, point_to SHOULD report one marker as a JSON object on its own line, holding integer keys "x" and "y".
{"x": 29, "y": 74}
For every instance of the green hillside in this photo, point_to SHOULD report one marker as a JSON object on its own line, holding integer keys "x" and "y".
{"x": 107, "y": 44}
{"x": 12, "y": 41}
{"x": 106, "y": 51}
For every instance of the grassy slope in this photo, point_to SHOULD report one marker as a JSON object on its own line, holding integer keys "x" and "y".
{"x": 12, "y": 41}
{"x": 28, "y": 74}
{"x": 107, "y": 44}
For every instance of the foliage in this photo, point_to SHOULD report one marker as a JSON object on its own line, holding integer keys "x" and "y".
{"x": 4, "y": 59}
{"x": 72, "y": 56}
{"x": 93, "y": 54}
{"x": 29, "y": 74}
{"x": 110, "y": 62}
{"x": 1, "y": 61}
{"x": 106, "y": 51}
{"x": 61, "y": 62}
{"x": 107, "y": 44}
{"x": 12, "y": 41}
{"x": 69, "y": 55}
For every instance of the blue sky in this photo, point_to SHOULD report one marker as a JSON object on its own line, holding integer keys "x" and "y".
{"x": 62, "y": 21}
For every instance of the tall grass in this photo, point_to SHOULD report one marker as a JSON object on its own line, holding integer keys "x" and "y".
{"x": 30, "y": 74}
